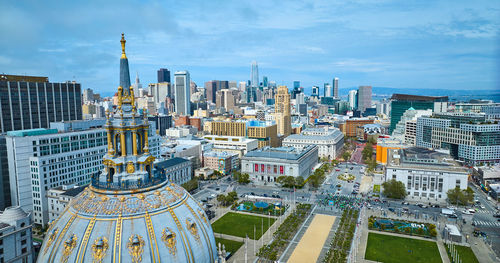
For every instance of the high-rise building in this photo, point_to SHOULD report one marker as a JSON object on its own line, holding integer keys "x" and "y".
{"x": 137, "y": 85}
{"x": 364, "y": 97}
{"x": 88, "y": 96}
{"x": 211, "y": 88}
{"x": 182, "y": 96}
{"x": 33, "y": 102}
{"x": 282, "y": 111}
{"x": 163, "y": 75}
{"x": 265, "y": 132}
{"x": 255, "y": 75}
{"x": 402, "y": 102}
{"x": 5, "y": 200}
{"x": 296, "y": 84}
{"x": 353, "y": 99}
{"x": 327, "y": 90}
{"x": 265, "y": 82}
{"x": 469, "y": 137}
{"x": 315, "y": 91}
{"x": 159, "y": 91}
{"x": 335, "y": 87}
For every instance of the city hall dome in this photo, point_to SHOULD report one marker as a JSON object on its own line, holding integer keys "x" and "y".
{"x": 130, "y": 212}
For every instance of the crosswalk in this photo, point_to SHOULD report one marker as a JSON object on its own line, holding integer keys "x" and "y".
{"x": 485, "y": 212}
{"x": 486, "y": 223}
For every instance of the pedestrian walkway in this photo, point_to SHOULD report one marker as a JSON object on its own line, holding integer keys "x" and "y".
{"x": 312, "y": 242}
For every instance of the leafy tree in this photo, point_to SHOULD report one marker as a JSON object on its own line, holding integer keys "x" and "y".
{"x": 462, "y": 197}
{"x": 394, "y": 189}
{"x": 191, "y": 184}
{"x": 346, "y": 155}
{"x": 299, "y": 181}
{"x": 367, "y": 151}
{"x": 244, "y": 178}
{"x": 372, "y": 164}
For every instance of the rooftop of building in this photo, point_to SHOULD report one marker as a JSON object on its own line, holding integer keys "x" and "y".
{"x": 408, "y": 97}
{"x": 5, "y": 77}
{"x": 331, "y": 135}
{"x": 72, "y": 191}
{"x": 286, "y": 153}
{"x": 170, "y": 162}
{"x": 11, "y": 214}
{"x": 218, "y": 154}
{"x": 490, "y": 172}
{"x": 31, "y": 132}
{"x": 228, "y": 138}
{"x": 259, "y": 123}
{"x": 423, "y": 159}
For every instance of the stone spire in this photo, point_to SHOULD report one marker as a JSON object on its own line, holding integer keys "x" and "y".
{"x": 124, "y": 71}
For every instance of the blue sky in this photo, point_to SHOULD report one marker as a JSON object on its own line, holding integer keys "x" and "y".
{"x": 399, "y": 44}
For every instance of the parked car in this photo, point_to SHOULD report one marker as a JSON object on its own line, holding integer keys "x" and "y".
{"x": 496, "y": 215}
{"x": 391, "y": 209}
{"x": 452, "y": 216}
{"x": 435, "y": 206}
{"x": 405, "y": 203}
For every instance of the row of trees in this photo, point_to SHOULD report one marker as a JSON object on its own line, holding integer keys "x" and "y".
{"x": 191, "y": 184}
{"x": 317, "y": 178}
{"x": 284, "y": 234}
{"x": 341, "y": 243}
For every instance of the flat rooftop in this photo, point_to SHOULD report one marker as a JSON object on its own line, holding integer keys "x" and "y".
{"x": 286, "y": 153}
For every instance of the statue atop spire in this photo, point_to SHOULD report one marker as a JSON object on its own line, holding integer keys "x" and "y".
{"x": 123, "y": 41}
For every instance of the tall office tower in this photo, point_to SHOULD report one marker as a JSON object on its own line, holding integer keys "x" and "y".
{"x": 265, "y": 82}
{"x": 137, "y": 84}
{"x": 335, "y": 87}
{"x": 327, "y": 90}
{"x": 4, "y": 175}
{"x": 315, "y": 91}
{"x": 255, "y": 75}
{"x": 296, "y": 84}
{"x": 88, "y": 96}
{"x": 233, "y": 84}
{"x": 163, "y": 75}
{"x": 282, "y": 111}
{"x": 242, "y": 86}
{"x": 210, "y": 90}
{"x": 364, "y": 97}
{"x": 193, "y": 88}
{"x": 182, "y": 96}
{"x": 400, "y": 103}
{"x": 159, "y": 91}
{"x": 353, "y": 99}
{"x": 33, "y": 102}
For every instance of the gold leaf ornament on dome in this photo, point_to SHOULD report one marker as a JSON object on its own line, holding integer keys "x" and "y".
{"x": 135, "y": 247}
{"x": 69, "y": 246}
{"x": 191, "y": 225}
{"x": 51, "y": 239}
{"x": 168, "y": 237}
{"x": 99, "y": 249}
{"x": 130, "y": 168}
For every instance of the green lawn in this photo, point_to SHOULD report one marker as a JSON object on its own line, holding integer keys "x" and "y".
{"x": 240, "y": 225}
{"x": 230, "y": 245}
{"x": 393, "y": 249}
{"x": 464, "y": 253}
{"x": 376, "y": 188}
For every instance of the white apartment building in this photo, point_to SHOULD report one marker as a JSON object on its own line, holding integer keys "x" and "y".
{"x": 235, "y": 144}
{"x": 15, "y": 236}
{"x": 427, "y": 174}
{"x": 58, "y": 198}
{"x": 41, "y": 159}
{"x": 329, "y": 141}
{"x": 406, "y": 128}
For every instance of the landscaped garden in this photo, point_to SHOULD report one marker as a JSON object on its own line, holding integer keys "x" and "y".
{"x": 402, "y": 227}
{"x": 393, "y": 249}
{"x": 376, "y": 188}
{"x": 260, "y": 207}
{"x": 241, "y": 225}
{"x": 230, "y": 245}
{"x": 465, "y": 254}
{"x": 341, "y": 243}
{"x": 284, "y": 234}
{"x": 346, "y": 177}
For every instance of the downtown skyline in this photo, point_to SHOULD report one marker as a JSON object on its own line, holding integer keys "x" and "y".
{"x": 412, "y": 45}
